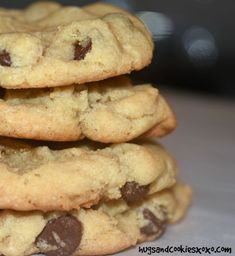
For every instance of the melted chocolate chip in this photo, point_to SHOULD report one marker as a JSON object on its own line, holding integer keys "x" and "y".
{"x": 5, "y": 58}
{"x": 133, "y": 192}
{"x": 81, "y": 49}
{"x": 155, "y": 226}
{"x": 60, "y": 237}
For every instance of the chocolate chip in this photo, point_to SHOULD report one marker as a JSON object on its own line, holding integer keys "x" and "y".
{"x": 82, "y": 48}
{"x": 5, "y": 58}
{"x": 60, "y": 237}
{"x": 155, "y": 226}
{"x": 133, "y": 192}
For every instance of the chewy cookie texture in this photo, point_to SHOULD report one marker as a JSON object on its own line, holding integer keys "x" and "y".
{"x": 63, "y": 193}
{"x": 111, "y": 111}
{"x": 80, "y": 175}
{"x": 48, "y": 45}
{"x": 107, "y": 228}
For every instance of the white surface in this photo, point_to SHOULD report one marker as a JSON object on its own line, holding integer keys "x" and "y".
{"x": 204, "y": 145}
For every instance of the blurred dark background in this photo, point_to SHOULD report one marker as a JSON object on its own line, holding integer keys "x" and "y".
{"x": 195, "y": 41}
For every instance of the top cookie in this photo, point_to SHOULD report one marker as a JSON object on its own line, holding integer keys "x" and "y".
{"x": 47, "y": 45}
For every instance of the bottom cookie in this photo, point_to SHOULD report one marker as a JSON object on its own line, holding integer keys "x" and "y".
{"x": 104, "y": 229}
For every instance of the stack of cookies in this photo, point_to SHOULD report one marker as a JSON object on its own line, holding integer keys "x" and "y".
{"x": 71, "y": 182}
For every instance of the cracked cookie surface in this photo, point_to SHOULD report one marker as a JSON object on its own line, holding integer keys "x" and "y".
{"x": 40, "y": 178}
{"x": 47, "y": 45}
{"x": 97, "y": 231}
{"x": 111, "y": 111}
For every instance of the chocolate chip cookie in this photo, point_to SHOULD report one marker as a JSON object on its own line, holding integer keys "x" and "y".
{"x": 41, "y": 178}
{"x": 47, "y": 45}
{"x": 111, "y": 111}
{"x": 109, "y": 228}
